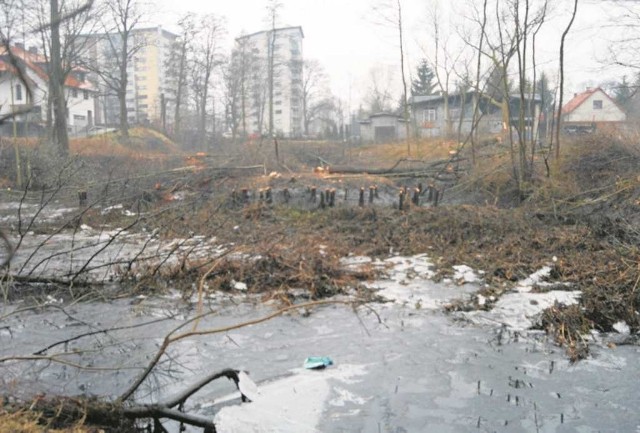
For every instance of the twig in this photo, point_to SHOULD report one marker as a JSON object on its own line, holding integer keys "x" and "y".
{"x": 170, "y": 339}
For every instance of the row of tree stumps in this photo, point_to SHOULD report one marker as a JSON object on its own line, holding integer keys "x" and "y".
{"x": 324, "y": 198}
{"x": 411, "y": 196}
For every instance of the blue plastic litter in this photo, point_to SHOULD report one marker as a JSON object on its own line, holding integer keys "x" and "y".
{"x": 317, "y": 362}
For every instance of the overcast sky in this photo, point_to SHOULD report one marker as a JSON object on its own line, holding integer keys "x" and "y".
{"x": 346, "y": 37}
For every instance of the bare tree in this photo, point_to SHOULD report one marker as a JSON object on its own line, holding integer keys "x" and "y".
{"x": 120, "y": 20}
{"x": 481, "y": 20}
{"x": 56, "y": 84}
{"x": 379, "y": 97}
{"x": 206, "y": 57}
{"x": 177, "y": 68}
{"x": 561, "y": 86}
{"x": 314, "y": 91}
{"x": 443, "y": 64}
{"x": 8, "y": 19}
{"x": 63, "y": 48}
{"x": 390, "y": 13}
{"x": 232, "y": 78}
{"x": 273, "y": 11}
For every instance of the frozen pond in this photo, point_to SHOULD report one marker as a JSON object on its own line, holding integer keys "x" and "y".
{"x": 401, "y": 366}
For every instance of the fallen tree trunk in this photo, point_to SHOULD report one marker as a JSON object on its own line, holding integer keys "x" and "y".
{"x": 393, "y": 169}
{"x": 63, "y": 412}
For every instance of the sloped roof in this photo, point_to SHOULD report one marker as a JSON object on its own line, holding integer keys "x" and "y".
{"x": 36, "y": 62}
{"x": 580, "y": 98}
{"x": 440, "y": 97}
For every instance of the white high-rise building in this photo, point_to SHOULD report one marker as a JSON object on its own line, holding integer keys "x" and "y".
{"x": 271, "y": 56}
{"x": 149, "y": 87}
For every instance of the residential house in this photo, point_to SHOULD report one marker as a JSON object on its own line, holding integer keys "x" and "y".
{"x": 14, "y": 97}
{"x": 383, "y": 127}
{"x": 287, "y": 81}
{"x": 149, "y": 83}
{"x": 591, "y": 110}
{"x": 430, "y": 119}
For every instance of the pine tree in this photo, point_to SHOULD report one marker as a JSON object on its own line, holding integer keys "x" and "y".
{"x": 423, "y": 84}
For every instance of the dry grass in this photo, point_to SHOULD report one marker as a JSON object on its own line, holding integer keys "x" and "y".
{"x": 142, "y": 144}
{"x": 429, "y": 149}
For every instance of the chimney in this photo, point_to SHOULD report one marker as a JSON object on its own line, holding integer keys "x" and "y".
{"x": 575, "y": 95}
{"x": 33, "y": 50}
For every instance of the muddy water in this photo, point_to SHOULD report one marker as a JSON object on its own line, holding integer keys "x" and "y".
{"x": 400, "y": 369}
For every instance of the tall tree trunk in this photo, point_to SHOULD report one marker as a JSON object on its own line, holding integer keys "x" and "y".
{"x": 272, "y": 45}
{"x": 202, "y": 125}
{"x": 61, "y": 139}
{"x": 559, "y": 115}
{"x": 404, "y": 81}
{"x": 122, "y": 90}
{"x": 181, "y": 82}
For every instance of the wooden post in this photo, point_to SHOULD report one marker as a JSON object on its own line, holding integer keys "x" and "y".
{"x": 287, "y": 195}
{"x": 332, "y": 198}
{"x": 436, "y": 196}
{"x": 430, "y": 195}
{"x": 82, "y": 198}
{"x": 361, "y": 199}
{"x": 313, "y": 194}
{"x": 371, "y": 194}
{"x": 268, "y": 196}
{"x": 416, "y": 197}
{"x": 401, "y": 199}
{"x": 322, "y": 200}
{"x": 346, "y": 194}
{"x": 245, "y": 195}
{"x": 375, "y": 191}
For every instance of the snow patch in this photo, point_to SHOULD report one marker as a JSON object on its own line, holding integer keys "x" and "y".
{"x": 408, "y": 280}
{"x": 290, "y": 405}
{"x": 519, "y": 310}
{"x": 535, "y": 279}
{"x": 465, "y": 274}
{"x": 622, "y": 328}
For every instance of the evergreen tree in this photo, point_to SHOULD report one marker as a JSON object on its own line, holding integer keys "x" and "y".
{"x": 623, "y": 92}
{"x": 423, "y": 84}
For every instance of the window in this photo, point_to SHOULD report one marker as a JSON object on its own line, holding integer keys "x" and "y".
{"x": 429, "y": 115}
{"x": 454, "y": 113}
{"x": 74, "y": 93}
{"x": 85, "y": 94}
{"x": 278, "y": 111}
{"x": 278, "y": 102}
{"x": 79, "y": 117}
{"x": 597, "y": 104}
{"x": 18, "y": 92}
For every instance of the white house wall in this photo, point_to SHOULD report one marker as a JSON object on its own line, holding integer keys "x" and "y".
{"x": 585, "y": 112}
{"x": 81, "y": 110}
{"x": 78, "y": 107}
{"x": 38, "y": 93}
